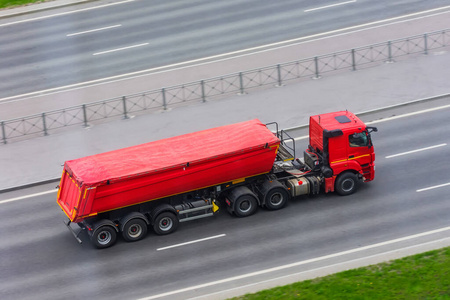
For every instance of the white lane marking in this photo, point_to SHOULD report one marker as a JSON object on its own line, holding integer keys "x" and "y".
{"x": 64, "y": 13}
{"x": 28, "y": 196}
{"x": 223, "y": 56}
{"x": 192, "y": 242}
{"x": 329, "y": 6}
{"x": 297, "y": 263}
{"x": 417, "y": 150}
{"x": 94, "y": 30}
{"x": 120, "y": 49}
{"x": 433, "y": 187}
{"x": 408, "y": 114}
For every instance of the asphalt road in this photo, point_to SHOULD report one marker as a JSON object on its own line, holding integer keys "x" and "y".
{"x": 84, "y": 45}
{"x": 408, "y": 196}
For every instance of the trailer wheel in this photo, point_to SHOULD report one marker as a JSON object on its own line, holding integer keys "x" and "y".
{"x": 165, "y": 223}
{"x": 346, "y": 184}
{"x": 276, "y": 198}
{"x": 104, "y": 237}
{"x": 245, "y": 205}
{"x": 134, "y": 230}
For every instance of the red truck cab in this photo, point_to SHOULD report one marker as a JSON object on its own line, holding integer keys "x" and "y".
{"x": 344, "y": 145}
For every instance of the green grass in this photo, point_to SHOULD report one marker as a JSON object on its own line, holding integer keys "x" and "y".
{"x": 422, "y": 276}
{"x": 13, "y": 3}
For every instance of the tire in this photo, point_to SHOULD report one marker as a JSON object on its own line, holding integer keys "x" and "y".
{"x": 346, "y": 184}
{"x": 165, "y": 223}
{"x": 104, "y": 237}
{"x": 276, "y": 198}
{"x": 246, "y": 205}
{"x": 134, "y": 230}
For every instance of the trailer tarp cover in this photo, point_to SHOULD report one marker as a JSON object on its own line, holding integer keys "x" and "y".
{"x": 172, "y": 152}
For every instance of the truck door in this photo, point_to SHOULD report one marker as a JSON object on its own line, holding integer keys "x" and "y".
{"x": 360, "y": 148}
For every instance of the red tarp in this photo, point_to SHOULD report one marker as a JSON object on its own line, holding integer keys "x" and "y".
{"x": 171, "y": 152}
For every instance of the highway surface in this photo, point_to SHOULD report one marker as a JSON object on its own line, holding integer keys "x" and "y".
{"x": 409, "y": 195}
{"x": 93, "y": 41}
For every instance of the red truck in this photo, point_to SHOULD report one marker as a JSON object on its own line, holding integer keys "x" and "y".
{"x": 241, "y": 166}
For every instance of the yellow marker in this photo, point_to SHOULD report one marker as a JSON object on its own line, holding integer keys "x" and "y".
{"x": 215, "y": 207}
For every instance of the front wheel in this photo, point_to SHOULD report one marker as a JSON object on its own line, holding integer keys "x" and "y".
{"x": 346, "y": 184}
{"x": 104, "y": 237}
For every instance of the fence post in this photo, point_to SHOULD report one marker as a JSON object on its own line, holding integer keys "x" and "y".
{"x": 85, "y": 116}
{"x": 163, "y": 91}
{"x": 389, "y": 52}
{"x": 124, "y": 101}
{"x": 202, "y": 83}
{"x": 353, "y": 60}
{"x": 425, "y": 43}
{"x": 316, "y": 66}
{"x": 3, "y": 132}
{"x": 280, "y": 81}
{"x": 44, "y": 124}
{"x": 241, "y": 84}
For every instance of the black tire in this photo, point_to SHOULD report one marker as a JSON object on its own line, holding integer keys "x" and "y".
{"x": 165, "y": 223}
{"x": 346, "y": 184}
{"x": 246, "y": 205}
{"x": 104, "y": 237}
{"x": 276, "y": 198}
{"x": 134, "y": 230}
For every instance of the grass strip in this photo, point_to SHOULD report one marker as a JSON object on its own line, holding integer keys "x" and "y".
{"x": 15, "y": 3}
{"x": 421, "y": 276}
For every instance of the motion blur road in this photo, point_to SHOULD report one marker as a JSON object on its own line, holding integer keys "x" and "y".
{"x": 93, "y": 42}
{"x": 408, "y": 196}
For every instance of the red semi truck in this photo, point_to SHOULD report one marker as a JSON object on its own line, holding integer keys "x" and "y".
{"x": 241, "y": 166}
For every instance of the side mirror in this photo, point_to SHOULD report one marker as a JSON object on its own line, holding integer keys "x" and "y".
{"x": 370, "y": 129}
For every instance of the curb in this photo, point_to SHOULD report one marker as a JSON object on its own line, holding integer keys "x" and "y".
{"x": 28, "y": 185}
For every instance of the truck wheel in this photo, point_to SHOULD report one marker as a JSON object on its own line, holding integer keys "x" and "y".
{"x": 165, "y": 223}
{"x": 134, "y": 230}
{"x": 245, "y": 205}
{"x": 104, "y": 237}
{"x": 346, "y": 184}
{"x": 276, "y": 198}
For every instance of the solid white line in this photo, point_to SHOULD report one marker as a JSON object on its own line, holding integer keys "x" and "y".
{"x": 28, "y": 196}
{"x": 120, "y": 49}
{"x": 191, "y": 242}
{"x": 433, "y": 187}
{"x": 417, "y": 150}
{"x": 328, "y": 6}
{"x": 94, "y": 30}
{"x": 408, "y": 114}
{"x": 64, "y": 13}
{"x": 297, "y": 263}
{"x": 223, "y": 56}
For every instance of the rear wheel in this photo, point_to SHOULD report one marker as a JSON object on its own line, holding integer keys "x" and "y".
{"x": 346, "y": 184}
{"x": 134, "y": 230}
{"x": 165, "y": 223}
{"x": 104, "y": 237}
{"x": 245, "y": 205}
{"x": 276, "y": 198}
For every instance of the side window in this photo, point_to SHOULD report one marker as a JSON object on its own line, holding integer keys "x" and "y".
{"x": 358, "y": 140}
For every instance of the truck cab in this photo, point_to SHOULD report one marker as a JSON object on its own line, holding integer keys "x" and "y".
{"x": 344, "y": 150}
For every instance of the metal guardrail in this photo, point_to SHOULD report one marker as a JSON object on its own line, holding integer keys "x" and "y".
{"x": 315, "y": 67}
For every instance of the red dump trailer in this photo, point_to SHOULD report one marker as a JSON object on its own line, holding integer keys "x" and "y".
{"x": 162, "y": 183}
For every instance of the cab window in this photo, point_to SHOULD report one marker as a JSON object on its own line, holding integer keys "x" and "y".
{"x": 358, "y": 140}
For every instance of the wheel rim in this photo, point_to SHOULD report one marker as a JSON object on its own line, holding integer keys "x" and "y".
{"x": 347, "y": 185}
{"x": 134, "y": 231}
{"x": 165, "y": 224}
{"x": 104, "y": 237}
{"x": 245, "y": 206}
{"x": 276, "y": 199}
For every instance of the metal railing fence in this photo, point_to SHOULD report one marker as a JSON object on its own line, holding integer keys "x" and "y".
{"x": 314, "y": 67}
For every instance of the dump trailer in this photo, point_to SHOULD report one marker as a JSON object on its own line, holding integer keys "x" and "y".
{"x": 239, "y": 166}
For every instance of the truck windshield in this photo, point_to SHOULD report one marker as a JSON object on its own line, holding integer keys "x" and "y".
{"x": 359, "y": 139}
